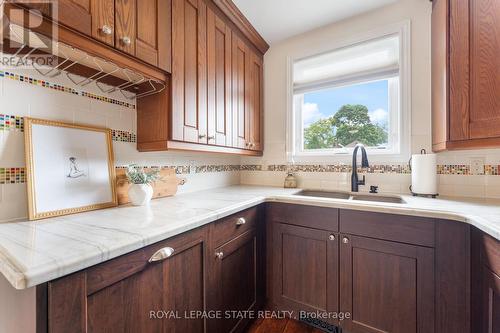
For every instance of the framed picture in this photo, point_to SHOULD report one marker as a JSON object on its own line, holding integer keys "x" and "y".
{"x": 69, "y": 168}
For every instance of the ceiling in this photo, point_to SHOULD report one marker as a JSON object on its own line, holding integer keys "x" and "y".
{"x": 276, "y": 20}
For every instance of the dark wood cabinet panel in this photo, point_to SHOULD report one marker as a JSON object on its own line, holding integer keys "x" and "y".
{"x": 305, "y": 216}
{"x": 466, "y": 74}
{"x": 400, "y": 228}
{"x": 490, "y": 301}
{"x": 240, "y": 63}
{"x": 255, "y": 102}
{"x": 219, "y": 81}
{"x": 305, "y": 269}
{"x": 235, "y": 280}
{"x": 386, "y": 286}
{"x": 119, "y": 295}
{"x": 189, "y": 90}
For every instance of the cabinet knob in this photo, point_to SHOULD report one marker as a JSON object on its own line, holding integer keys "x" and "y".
{"x": 201, "y": 136}
{"x": 219, "y": 255}
{"x": 106, "y": 29}
{"x": 345, "y": 240}
{"x": 251, "y": 145}
{"x": 161, "y": 254}
{"x": 126, "y": 40}
{"x": 331, "y": 237}
{"x": 241, "y": 221}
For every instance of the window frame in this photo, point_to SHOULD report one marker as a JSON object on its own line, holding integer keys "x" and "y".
{"x": 401, "y": 153}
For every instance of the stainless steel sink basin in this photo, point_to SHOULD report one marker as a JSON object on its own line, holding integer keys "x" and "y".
{"x": 378, "y": 198}
{"x": 324, "y": 194}
{"x": 349, "y": 196}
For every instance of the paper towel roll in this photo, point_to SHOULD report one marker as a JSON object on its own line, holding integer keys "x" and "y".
{"x": 424, "y": 174}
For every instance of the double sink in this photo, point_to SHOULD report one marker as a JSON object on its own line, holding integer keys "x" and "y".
{"x": 350, "y": 196}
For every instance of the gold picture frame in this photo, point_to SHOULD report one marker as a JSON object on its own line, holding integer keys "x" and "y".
{"x": 34, "y": 213}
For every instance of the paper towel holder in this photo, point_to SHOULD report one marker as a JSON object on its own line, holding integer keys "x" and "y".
{"x": 434, "y": 196}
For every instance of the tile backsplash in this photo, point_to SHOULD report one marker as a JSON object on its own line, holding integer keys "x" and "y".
{"x": 25, "y": 93}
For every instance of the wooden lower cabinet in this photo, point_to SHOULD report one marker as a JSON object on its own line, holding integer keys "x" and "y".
{"x": 486, "y": 289}
{"x": 131, "y": 294}
{"x": 235, "y": 275}
{"x": 490, "y": 301}
{"x": 305, "y": 269}
{"x": 386, "y": 286}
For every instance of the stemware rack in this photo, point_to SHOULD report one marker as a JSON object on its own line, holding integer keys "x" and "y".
{"x": 80, "y": 67}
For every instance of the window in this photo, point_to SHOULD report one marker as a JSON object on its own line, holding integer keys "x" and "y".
{"x": 353, "y": 94}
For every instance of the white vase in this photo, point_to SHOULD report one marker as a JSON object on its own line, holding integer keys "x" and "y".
{"x": 140, "y": 194}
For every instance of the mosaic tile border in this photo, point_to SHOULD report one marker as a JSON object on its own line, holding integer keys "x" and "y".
{"x": 17, "y": 175}
{"x": 58, "y": 87}
{"x": 13, "y": 175}
{"x": 16, "y": 123}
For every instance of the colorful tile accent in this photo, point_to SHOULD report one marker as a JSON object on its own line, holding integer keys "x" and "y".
{"x": 123, "y": 136}
{"x": 54, "y": 86}
{"x": 403, "y": 168}
{"x": 11, "y": 123}
{"x": 12, "y": 175}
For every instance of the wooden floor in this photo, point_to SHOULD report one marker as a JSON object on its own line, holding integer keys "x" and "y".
{"x": 281, "y": 326}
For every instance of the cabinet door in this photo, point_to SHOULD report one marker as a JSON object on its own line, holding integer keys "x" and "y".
{"x": 386, "y": 286}
{"x": 241, "y": 64}
{"x": 74, "y": 14}
{"x": 305, "y": 269}
{"x": 484, "y": 68}
{"x": 235, "y": 280}
{"x": 255, "y": 100}
{"x": 189, "y": 74}
{"x": 219, "y": 81}
{"x": 490, "y": 301}
{"x": 125, "y": 18}
{"x": 103, "y": 20}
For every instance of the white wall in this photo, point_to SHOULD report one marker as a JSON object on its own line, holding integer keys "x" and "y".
{"x": 275, "y": 105}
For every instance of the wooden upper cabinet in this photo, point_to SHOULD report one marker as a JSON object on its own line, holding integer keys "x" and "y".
{"x": 71, "y": 13}
{"x": 189, "y": 71}
{"x": 219, "y": 126}
{"x": 255, "y": 100}
{"x": 125, "y": 21}
{"x": 241, "y": 64}
{"x": 465, "y": 74}
{"x": 143, "y": 30}
{"x": 103, "y": 21}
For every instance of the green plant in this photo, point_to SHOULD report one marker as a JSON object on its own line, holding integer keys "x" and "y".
{"x": 137, "y": 175}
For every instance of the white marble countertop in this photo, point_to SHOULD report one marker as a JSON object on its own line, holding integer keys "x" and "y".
{"x": 35, "y": 252}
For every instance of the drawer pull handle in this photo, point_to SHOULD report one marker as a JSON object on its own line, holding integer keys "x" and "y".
{"x": 202, "y": 136}
{"x": 106, "y": 29}
{"x": 331, "y": 237}
{"x": 161, "y": 254}
{"x": 345, "y": 240}
{"x": 211, "y": 137}
{"x": 219, "y": 255}
{"x": 241, "y": 221}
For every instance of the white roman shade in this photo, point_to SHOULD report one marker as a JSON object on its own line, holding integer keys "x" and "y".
{"x": 373, "y": 59}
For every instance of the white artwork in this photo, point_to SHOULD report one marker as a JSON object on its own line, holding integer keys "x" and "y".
{"x": 70, "y": 168}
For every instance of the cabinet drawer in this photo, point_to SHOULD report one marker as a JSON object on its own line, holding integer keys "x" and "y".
{"x": 232, "y": 226}
{"x": 107, "y": 273}
{"x": 399, "y": 228}
{"x": 307, "y": 216}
